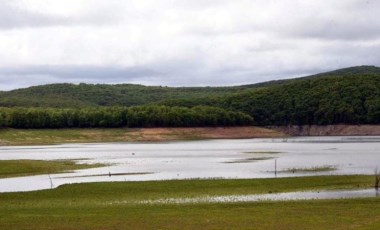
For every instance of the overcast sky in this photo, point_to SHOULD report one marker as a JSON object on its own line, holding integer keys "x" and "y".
{"x": 182, "y": 42}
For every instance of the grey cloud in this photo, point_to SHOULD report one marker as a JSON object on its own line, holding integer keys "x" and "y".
{"x": 187, "y": 42}
{"x": 13, "y": 16}
{"x": 171, "y": 74}
{"x": 33, "y": 75}
{"x": 332, "y": 20}
{"x": 80, "y": 72}
{"x": 337, "y": 29}
{"x": 352, "y": 19}
{"x": 345, "y": 20}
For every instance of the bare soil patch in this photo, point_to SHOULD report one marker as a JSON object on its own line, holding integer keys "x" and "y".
{"x": 329, "y": 130}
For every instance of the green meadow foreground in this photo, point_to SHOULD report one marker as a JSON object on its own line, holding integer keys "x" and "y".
{"x": 116, "y": 206}
{"x": 83, "y": 135}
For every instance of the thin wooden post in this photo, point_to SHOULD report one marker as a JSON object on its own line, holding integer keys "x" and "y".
{"x": 275, "y": 167}
{"x": 377, "y": 178}
{"x": 51, "y": 182}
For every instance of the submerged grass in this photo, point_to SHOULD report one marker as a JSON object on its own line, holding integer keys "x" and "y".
{"x": 17, "y": 168}
{"x": 110, "y": 174}
{"x": 324, "y": 168}
{"x": 248, "y": 160}
{"x": 263, "y": 152}
{"x": 95, "y": 206}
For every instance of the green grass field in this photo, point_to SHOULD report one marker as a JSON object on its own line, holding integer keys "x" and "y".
{"x": 59, "y": 136}
{"x": 16, "y": 168}
{"x": 113, "y": 206}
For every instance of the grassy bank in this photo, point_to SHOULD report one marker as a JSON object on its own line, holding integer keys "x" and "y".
{"x": 16, "y": 168}
{"x": 104, "y": 206}
{"x": 57, "y": 136}
{"x": 336, "y": 214}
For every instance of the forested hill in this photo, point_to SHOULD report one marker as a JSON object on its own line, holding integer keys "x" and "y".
{"x": 350, "y": 96}
{"x": 357, "y": 70}
{"x": 88, "y": 95}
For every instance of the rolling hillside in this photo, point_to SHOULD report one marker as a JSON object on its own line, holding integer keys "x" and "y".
{"x": 349, "y": 96}
{"x": 87, "y": 95}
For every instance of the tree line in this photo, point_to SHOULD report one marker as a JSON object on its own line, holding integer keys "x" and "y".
{"x": 112, "y": 117}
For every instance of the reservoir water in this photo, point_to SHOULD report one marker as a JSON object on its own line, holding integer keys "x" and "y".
{"x": 243, "y": 158}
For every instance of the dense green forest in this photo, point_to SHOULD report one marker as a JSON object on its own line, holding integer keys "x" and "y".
{"x": 111, "y": 117}
{"x": 87, "y": 95}
{"x": 350, "y": 95}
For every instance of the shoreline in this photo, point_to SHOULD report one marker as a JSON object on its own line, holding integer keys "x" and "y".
{"x": 11, "y": 137}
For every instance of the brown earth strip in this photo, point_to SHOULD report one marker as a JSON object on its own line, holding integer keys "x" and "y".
{"x": 164, "y": 134}
{"x": 329, "y": 130}
{"x": 58, "y": 136}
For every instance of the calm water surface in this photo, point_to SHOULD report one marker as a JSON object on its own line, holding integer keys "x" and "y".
{"x": 248, "y": 158}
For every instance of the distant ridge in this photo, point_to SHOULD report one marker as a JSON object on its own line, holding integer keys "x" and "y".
{"x": 88, "y": 95}
{"x": 356, "y": 70}
{"x": 344, "y": 96}
{"x": 364, "y": 69}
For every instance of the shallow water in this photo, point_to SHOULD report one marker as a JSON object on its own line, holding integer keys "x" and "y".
{"x": 247, "y": 158}
{"x": 308, "y": 195}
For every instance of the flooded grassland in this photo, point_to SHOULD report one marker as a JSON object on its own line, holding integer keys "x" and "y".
{"x": 215, "y": 184}
{"x": 229, "y": 159}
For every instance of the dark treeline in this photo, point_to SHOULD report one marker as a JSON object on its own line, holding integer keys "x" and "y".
{"x": 321, "y": 100}
{"x": 139, "y": 116}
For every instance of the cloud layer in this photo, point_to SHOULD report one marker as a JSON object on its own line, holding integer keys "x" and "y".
{"x": 182, "y": 42}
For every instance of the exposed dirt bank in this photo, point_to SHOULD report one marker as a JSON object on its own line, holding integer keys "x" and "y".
{"x": 158, "y": 134}
{"x": 57, "y": 136}
{"x": 329, "y": 130}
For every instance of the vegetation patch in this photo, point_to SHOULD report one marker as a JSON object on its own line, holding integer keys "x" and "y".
{"x": 263, "y": 152}
{"x": 324, "y": 168}
{"x": 112, "y": 174}
{"x": 18, "y": 168}
{"x": 248, "y": 160}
